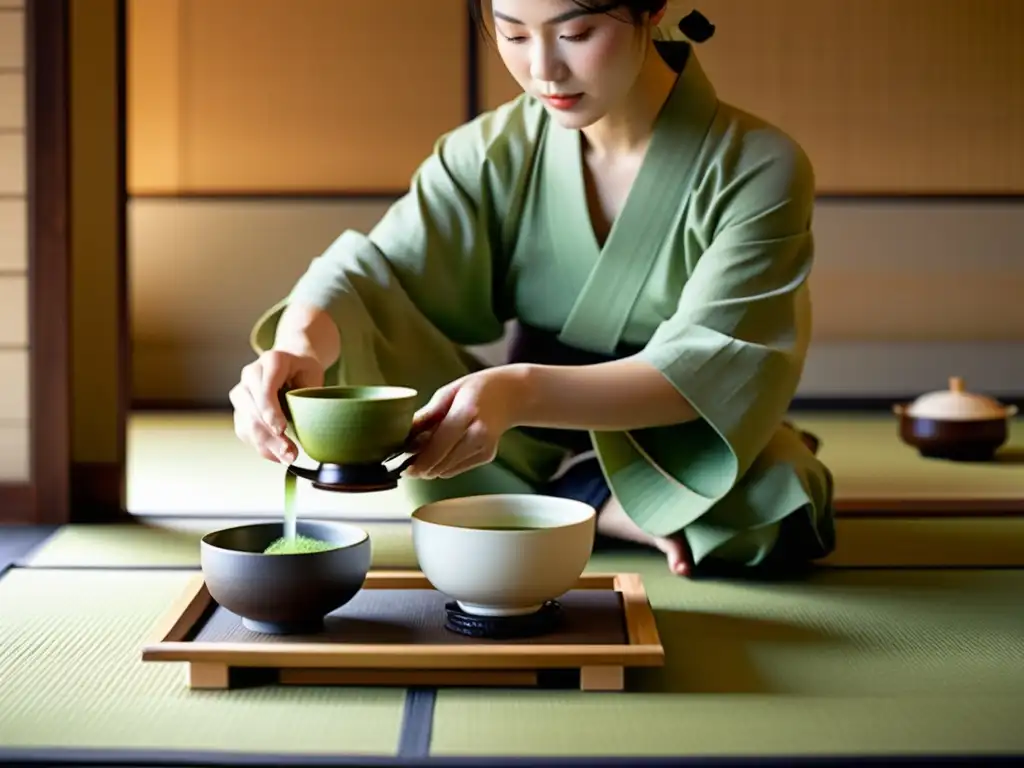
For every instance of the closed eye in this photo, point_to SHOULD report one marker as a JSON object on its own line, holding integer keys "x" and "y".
{"x": 581, "y": 37}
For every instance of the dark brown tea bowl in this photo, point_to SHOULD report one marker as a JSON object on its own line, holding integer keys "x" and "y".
{"x": 285, "y": 593}
{"x": 955, "y": 425}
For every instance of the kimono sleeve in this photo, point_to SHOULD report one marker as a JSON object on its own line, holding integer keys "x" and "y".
{"x": 737, "y": 343}
{"x": 436, "y": 254}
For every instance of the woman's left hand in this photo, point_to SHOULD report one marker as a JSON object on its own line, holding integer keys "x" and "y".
{"x": 471, "y": 414}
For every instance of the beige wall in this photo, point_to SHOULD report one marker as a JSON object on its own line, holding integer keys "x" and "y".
{"x": 251, "y": 95}
{"x": 14, "y": 336}
{"x": 940, "y": 279}
{"x": 263, "y": 95}
{"x": 905, "y": 294}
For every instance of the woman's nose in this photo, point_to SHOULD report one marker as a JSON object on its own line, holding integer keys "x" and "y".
{"x": 545, "y": 64}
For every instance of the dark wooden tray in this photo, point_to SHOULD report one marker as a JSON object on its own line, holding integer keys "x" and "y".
{"x": 393, "y": 633}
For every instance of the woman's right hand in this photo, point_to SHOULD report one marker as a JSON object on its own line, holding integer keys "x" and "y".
{"x": 259, "y": 419}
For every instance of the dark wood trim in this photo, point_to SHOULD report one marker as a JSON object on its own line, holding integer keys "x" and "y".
{"x": 879, "y": 402}
{"x": 220, "y": 405}
{"x": 98, "y": 491}
{"x": 474, "y": 96}
{"x": 17, "y": 503}
{"x": 48, "y": 199}
{"x": 313, "y": 195}
{"x": 298, "y": 196}
{"x": 921, "y": 196}
{"x": 119, "y": 473}
{"x": 800, "y": 404}
{"x": 960, "y": 508}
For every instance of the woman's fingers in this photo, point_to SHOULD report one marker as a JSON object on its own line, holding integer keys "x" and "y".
{"x": 267, "y": 381}
{"x": 445, "y": 437}
{"x": 471, "y": 461}
{"x": 251, "y": 428}
{"x": 470, "y": 447}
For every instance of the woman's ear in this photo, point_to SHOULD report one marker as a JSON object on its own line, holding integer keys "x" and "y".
{"x": 658, "y": 16}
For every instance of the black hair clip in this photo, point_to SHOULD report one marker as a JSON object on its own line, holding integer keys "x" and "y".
{"x": 696, "y": 27}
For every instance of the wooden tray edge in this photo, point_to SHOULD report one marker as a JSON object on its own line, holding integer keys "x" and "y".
{"x": 643, "y": 646}
{"x": 182, "y": 615}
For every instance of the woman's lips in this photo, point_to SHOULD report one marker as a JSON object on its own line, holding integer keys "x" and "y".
{"x": 564, "y": 101}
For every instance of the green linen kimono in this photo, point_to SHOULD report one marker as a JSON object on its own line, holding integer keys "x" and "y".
{"x": 705, "y": 269}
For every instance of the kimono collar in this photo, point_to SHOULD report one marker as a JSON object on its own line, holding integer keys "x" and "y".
{"x": 693, "y": 94}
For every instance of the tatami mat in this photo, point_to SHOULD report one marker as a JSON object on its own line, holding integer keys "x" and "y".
{"x": 928, "y": 542}
{"x": 985, "y": 542}
{"x": 607, "y": 725}
{"x": 870, "y": 461}
{"x": 852, "y": 662}
{"x": 857, "y": 662}
{"x": 176, "y": 543}
{"x": 72, "y": 677}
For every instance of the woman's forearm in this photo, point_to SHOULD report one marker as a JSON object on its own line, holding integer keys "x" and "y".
{"x": 614, "y": 396}
{"x": 307, "y": 330}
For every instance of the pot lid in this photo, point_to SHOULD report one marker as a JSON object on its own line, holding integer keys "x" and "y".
{"x": 956, "y": 403}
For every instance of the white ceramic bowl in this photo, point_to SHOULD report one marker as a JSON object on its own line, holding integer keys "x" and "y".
{"x": 466, "y": 550}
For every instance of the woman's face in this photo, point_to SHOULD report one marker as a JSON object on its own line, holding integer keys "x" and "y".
{"x": 580, "y": 65}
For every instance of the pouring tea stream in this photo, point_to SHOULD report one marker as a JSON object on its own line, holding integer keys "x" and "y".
{"x": 354, "y": 432}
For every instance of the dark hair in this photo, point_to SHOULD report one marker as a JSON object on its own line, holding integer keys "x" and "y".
{"x": 694, "y": 25}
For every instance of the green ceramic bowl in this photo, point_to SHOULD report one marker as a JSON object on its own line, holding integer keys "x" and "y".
{"x": 352, "y": 424}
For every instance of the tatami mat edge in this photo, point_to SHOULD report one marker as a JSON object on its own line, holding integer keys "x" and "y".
{"x": 887, "y": 542}
{"x": 186, "y": 759}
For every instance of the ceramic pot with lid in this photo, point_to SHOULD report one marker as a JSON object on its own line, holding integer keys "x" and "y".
{"x": 955, "y": 424}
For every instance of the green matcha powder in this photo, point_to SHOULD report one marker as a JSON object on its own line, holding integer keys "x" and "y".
{"x": 292, "y": 543}
{"x": 300, "y": 545}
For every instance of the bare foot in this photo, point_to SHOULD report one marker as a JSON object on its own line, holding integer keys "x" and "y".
{"x": 613, "y": 522}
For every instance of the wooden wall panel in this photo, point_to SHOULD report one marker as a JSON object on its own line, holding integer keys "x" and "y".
{"x": 269, "y": 243}
{"x": 895, "y": 304}
{"x": 15, "y": 413}
{"x": 12, "y": 40}
{"x": 13, "y": 236}
{"x": 887, "y": 96}
{"x": 892, "y": 281}
{"x": 12, "y": 100}
{"x": 13, "y": 312}
{"x": 14, "y": 452}
{"x": 154, "y": 95}
{"x": 310, "y": 95}
{"x": 12, "y": 163}
{"x": 14, "y": 405}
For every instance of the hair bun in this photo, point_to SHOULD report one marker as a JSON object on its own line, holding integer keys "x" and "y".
{"x": 696, "y": 27}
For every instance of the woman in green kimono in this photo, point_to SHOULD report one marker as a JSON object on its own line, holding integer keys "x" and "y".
{"x": 652, "y": 244}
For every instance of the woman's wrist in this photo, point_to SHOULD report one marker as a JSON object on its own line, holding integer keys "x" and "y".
{"x": 307, "y": 331}
{"x": 615, "y": 396}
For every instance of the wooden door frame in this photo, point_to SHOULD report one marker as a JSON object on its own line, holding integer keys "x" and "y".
{"x": 57, "y": 491}
{"x": 44, "y": 498}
